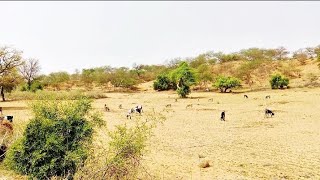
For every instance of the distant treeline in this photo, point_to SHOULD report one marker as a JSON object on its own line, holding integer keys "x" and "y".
{"x": 19, "y": 72}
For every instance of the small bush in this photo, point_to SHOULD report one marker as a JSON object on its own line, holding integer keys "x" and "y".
{"x": 224, "y": 83}
{"x": 279, "y": 82}
{"x": 162, "y": 83}
{"x": 36, "y": 86}
{"x": 55, "y": 141}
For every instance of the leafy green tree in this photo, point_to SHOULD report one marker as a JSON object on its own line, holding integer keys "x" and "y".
{"x": 184, "y": 77}
{"x": 278, "y": 82}
{"x": 224, "y": 83}
{"x": 55, "y": 142}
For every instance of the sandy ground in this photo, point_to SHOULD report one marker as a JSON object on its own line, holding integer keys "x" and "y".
{"x": 246, "y": 146}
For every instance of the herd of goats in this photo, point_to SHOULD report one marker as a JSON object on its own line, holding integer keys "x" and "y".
{"x": 6, "y": 121}
{"x": 138, "y": 109}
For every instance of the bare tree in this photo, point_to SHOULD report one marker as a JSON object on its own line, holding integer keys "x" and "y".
{"x": 30, "y": 70}
{"x": 281, "y": 53}
{"x": 9, "y": 59}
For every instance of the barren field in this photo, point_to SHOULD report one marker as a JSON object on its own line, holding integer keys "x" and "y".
{"x": 246, "y": 146}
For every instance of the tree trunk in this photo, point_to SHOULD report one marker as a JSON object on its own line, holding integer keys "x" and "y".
{"x": 29, "y": 85}
{"x": 2, "y": 93}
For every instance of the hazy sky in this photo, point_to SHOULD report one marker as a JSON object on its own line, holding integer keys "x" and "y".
{"x": 71, "y": 35}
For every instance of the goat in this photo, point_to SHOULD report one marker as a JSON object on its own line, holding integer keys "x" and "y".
{"x": 106, "y": 108}
{"x": 268, "y": 97}
{"x": 1, "y": 110}
{"x": 176, "y": 100}
{"x": 120, "y": 106}
{"x": 268, "y": 113}
{"x": 189, "y": 106}
{"x": 9, "y": 118}
{"x": 245, "y": 96}
{"x": 223, "y": 116}
{"x": 130, "y": 112}
{"x": 138, "y": 109}
{"x": 168, "y": 105}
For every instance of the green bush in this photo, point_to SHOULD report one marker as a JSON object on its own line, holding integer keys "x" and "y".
{"x": 162, "y": 83}
{"x": 36, "y": 86}
{"x": 55, "y": 142}
{"x": 224, "y": 83}
{"x": 278, "y": 82}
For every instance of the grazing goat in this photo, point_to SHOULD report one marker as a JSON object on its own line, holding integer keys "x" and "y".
{"x": 138, "y": 109}
{"x": 189, "y": 106}
{"x": 120, "y": 106}
{"x": 176, "y": 100}
{"x": 207, "y": 89}
{"x": 223, "y": 116}
{"x": 210, "y": 100}
{"x": 268, "y": 97}
{"x": 168, "y": 105}
{"x": 130, "y": 112}
{"x": 245, "y": 96}
{"x": 268, "y": 113}
{"x": 106, "y": 108}
{"x": 9, "y": 118}
{"x": 1, "y": 110}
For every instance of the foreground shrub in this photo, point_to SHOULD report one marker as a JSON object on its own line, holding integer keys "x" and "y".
{"x": 278, "y": 82}
{"x": 224, "y": 83}
{"x": 55, "y": 141}
{"x": 122, "y": 158}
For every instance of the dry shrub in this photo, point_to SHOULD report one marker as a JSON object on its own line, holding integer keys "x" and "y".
{"x": 122, "y": 157}
{"x": 6, "y": 132}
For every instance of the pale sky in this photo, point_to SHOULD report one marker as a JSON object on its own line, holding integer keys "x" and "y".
{"x": 66, "y": 36}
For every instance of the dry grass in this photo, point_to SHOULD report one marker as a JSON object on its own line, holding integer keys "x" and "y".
{"x": 245, "y": 146}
